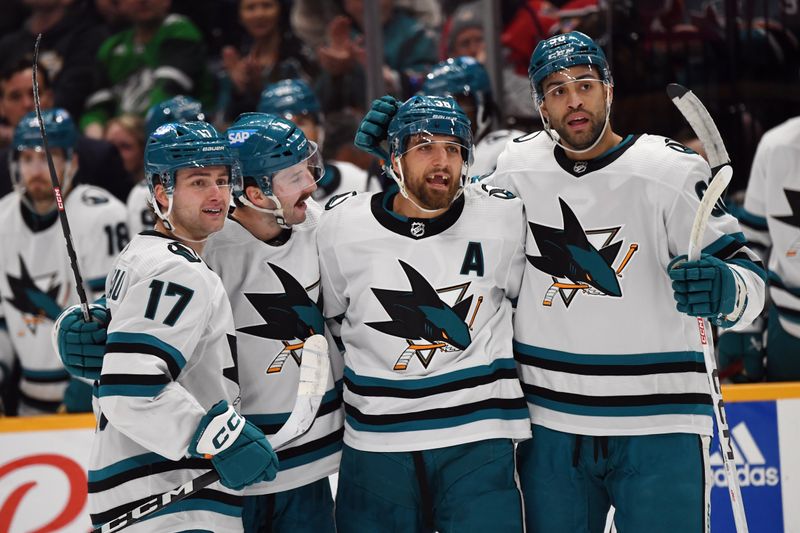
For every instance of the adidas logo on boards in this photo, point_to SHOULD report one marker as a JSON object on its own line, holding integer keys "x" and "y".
{"x": 751, "y": 466}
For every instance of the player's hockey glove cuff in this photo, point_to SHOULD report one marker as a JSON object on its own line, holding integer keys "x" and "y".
{"x": 373, "y": 130}
{"x": 238, "y": 450}
{"x": 708, "y": 288}
{"x": 80, "y": 344}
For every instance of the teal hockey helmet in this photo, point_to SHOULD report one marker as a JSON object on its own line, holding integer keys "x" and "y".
{"x": 59, "y": 126}
{"x": 564, "y": 51}
{"x": 174, "y": 146}
{"x": 289, "y": 98}
{"x": 272, "y": 150}
{"x": 176, "y": 109}
{"x": 431, "y": 115}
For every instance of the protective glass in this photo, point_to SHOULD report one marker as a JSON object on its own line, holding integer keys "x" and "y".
{"x": 299, "y": 176}
{"x": 423, "y": 136}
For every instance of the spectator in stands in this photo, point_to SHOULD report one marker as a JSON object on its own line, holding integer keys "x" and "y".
{"x": 99, "y": 162}
{"x": 269, "y": 52}
{"x": 126, "y": 132}
{"x": 408, "y": 50}
{"x": 70, "y": 40}
{"x": 160, "y": 56}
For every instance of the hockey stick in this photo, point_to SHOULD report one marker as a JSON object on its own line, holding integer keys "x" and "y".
{"x": 703, "y": 125}
{"x": 314, "y": 369}
{"x": 62, "y": 214}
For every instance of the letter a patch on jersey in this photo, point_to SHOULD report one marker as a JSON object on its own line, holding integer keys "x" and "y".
{"x": 426, "y": 322}
{"x": 575, "y": 263}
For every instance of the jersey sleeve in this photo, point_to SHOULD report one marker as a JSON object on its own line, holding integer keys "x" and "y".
{"x": 6, "y": 349}
{"x": 333, "y": 282}
{"x": 723, "y": 238}
{"x": 518, "y": 260}
{"x": 103, "y": 239}
{"x": 155, "y": 326}
{"x": 754, "y": 215}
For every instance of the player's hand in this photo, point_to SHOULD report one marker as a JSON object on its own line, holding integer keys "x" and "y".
{"x": 704, "y": 288}
{"x": 741, "y": 356}
{"x": 80, "y": 344}
{"x": 374, "y": 129}
{"x": 238, "y": 450}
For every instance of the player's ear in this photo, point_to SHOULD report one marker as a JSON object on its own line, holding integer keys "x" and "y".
{"x": 160, "y": 194}
{"x": 395, "y": 164}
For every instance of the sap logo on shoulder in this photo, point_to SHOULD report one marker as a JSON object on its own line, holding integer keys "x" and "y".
{"x": 751, "y": 465}
{"x": 239, "y": 136}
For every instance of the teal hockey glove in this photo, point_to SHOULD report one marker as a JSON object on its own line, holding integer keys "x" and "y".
{"x": 80, "y": 344}
{"x": 238, "y": 450}
{"x": 741, "y": 356}
{"x": 373, "y": 130}
{"x": 707, "y": 288}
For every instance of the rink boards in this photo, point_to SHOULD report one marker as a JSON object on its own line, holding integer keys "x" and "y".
{"x": 44, "y": 460}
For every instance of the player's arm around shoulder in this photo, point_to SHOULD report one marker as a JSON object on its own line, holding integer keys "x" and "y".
{"x": 160, "y": 306}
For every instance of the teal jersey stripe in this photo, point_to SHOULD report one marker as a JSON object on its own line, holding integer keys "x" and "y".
{"x": 281, "y": 418}
{"x": 124, "y": 337}
{"x": 141, "y": 391}
{"x": 195, "y": 504}
{"x": 97, "y": 284}
{"x": 45, "y": 375}
{"x": 440, "y": 423}
{"x": 725, "y": 241}
{"x": 749, "y": 265}
{"x": 608, "y": 359}
{"x": 304, "y": 459}
{"x": 125, "y": 465}
{"x": 776, "y": 280}
{"x": 646, "y": 410}
{"x": 434, "y": 381}
{"x": 749, "y": 219}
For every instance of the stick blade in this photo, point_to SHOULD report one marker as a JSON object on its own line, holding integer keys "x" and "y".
{"x": 676, "y": 90}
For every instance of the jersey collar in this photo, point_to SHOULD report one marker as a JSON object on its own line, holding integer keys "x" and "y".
{"x": 35, "y": 221}
{"x": 414, "y": 228}
{"x": 582, "y": 168}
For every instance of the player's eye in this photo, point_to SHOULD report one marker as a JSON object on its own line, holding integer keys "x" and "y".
{"x": 452, "y": 149}
{"x": 222, "y": 182}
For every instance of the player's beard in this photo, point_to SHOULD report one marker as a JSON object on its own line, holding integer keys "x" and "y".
{"x": 582, "y": 140}
{"x": 433, "y": 198}
{"x": 39, "y": 191}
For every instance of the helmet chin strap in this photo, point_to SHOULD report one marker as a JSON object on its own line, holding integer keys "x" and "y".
{"x": 556, "y": 139}
{"x": 401, "y": 183}
{"x": 277, "y": 212}
{"x": 168, "y": 225}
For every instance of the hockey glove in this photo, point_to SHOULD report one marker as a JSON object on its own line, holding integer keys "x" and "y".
{"x": 707, "y": 288}
{"x": 238, "y": 450}
{"x": 80, "y": 344}
{"x": 373, "y": 130}
{"x": 741, "y": 356}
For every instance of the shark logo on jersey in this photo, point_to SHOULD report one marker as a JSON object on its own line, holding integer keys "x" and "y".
{"x": 291, "y": 317}
{"x": 426, "y": 322}
{"x": 793, "y": 197}
{"x": 574, "y": 262}
{"x": 34, "y": 304}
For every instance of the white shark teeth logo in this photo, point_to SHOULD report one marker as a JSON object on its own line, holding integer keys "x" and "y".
{"x": 751, "y": 465}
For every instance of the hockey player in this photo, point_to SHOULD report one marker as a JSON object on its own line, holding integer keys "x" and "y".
{"x": 168, "y": 390}
{"x": 613, "y": 374}
{"x": 421, "y": 278}
{"x": 772, "y": 220}
{"x": 466, "y": 80}
{"x": 176, "y": 109}
{"x": 36, "y": 280}
{"x": 268, "y": 263}
{"x": 294, "y": 100}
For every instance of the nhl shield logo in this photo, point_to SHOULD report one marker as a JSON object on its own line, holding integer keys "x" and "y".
{"x": 417, "y": 229}
{"x": 580, "y": 167}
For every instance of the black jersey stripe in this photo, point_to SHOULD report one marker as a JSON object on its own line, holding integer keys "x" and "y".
{"x": 435, "y": 414}
{"x": 468, "y": 383}
{"x": 610, "y": 370}
{"x": 143, "y": 471}
{"x": 149, "y": 349}
{"x": 311, "y": 446}
{"x": 636, "y": 400}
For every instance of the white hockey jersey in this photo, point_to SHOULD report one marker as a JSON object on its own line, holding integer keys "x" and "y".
{"x": 601, "y": 348}
{"x": 170, "y": 356}
{"x": 37, "y": 282}
{"x": 275, "y": 294}
{"x": 772, "y": 216}
{"x": 140, "y": 212}
{"x": 489, "y": 149}
{"x": 340, "y": 177}
{"x": 425, "y": 312}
